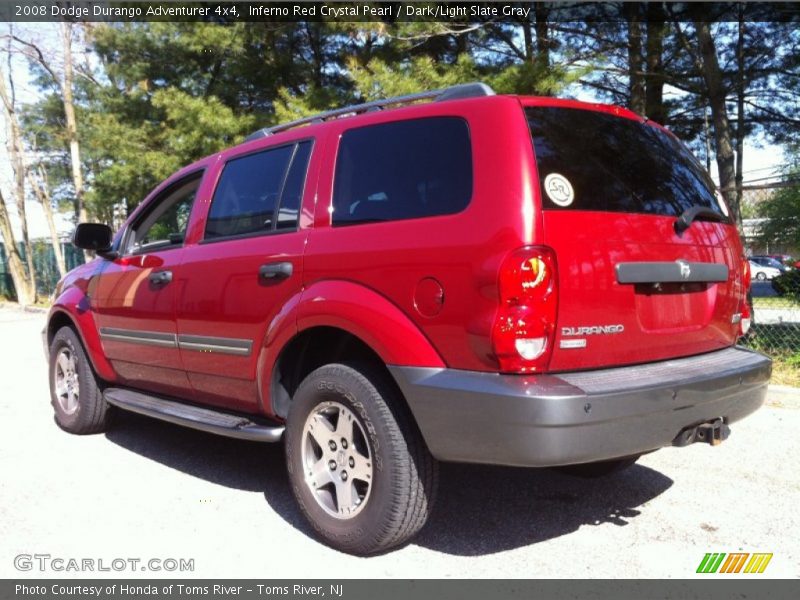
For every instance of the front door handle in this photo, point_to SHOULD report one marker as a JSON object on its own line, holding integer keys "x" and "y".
{"x": 276, "y": 270}
{"x": 160, "y": 277}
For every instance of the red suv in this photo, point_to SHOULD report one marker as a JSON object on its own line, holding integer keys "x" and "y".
{"x": 479, "y": 278}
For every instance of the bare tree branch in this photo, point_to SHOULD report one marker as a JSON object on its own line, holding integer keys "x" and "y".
{"x": 36, "y": 54}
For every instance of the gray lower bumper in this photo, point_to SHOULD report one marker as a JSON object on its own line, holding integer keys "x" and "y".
{"x": 572, "y": 418}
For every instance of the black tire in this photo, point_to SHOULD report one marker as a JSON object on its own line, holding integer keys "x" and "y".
{"x": 761, "y": 276}
{"x": 599, "y": 469}
{"x": 89, "y": 412}
{"x": 404, "y": 474}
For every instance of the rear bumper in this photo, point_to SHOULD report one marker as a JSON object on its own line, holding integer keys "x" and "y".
{"x": 573, "y": 418}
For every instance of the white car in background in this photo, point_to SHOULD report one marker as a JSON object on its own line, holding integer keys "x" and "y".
{"x": 763, "y": 273}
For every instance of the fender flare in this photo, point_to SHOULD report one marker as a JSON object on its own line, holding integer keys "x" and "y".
{"x": 358, "y": 310}
{"x": 369, "y": 316}
{"x": 74, "y": 305}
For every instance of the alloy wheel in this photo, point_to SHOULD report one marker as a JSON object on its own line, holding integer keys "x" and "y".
{"x": 337, "y": 461}
{"x": 67, "y": 386}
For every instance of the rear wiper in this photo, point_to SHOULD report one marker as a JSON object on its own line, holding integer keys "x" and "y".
{"x": 693, "y": 212}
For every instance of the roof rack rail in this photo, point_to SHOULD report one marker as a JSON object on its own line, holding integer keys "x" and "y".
{"x": 456, "y": 92}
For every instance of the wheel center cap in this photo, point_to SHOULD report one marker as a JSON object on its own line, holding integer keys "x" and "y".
{"x": 340, "y": 458}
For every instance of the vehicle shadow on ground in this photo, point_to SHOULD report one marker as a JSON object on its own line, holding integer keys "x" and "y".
{"x": 480, "y": 510}
{"x": 237, "y": 464}
{"x": 483, "y": 509}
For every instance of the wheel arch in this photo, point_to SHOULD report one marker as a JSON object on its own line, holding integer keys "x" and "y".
{"x": 311, "y": 349}
{"x": 335, "y": 321}
{"x": 57, "y": 320}
{"x": 81, "y": 321}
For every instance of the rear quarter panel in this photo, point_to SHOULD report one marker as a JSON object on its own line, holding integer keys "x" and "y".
{"x": 461, "y": 251}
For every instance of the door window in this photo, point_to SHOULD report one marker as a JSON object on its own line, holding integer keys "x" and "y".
{"x": 259, "y": 193}
{"x": 164, "y": 226}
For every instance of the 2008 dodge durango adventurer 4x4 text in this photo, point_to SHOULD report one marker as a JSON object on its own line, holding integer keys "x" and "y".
{"x": 478, "y": 278}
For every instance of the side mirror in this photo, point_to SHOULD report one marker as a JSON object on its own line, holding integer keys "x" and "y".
{"x": 93, "y": 236}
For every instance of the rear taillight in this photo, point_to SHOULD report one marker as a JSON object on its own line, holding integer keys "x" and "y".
{"x": 746, "y": 317}
{"x": 524, "y": 328}
{"x": 746, "y": 274}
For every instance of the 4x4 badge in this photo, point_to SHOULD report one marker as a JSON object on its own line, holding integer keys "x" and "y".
{"x": 559, "y": 189}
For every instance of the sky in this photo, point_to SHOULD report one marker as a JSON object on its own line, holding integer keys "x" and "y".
{"x": 761, "y": 160}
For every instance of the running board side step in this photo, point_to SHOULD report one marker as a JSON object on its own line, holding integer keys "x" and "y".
{"x": 195, "y": 417}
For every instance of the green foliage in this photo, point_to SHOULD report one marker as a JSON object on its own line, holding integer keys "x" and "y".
{"x": 780, "y": 343}
{"x": 176, "y": 92}
{"x": 163, "y": 95}
{"x": 166, "y": 94}
{"x": 749, "y": 210}
{"x": 43, "y": 127}
{"x": 782, "y": 214}
{"x": 374, "y": 80}
{"x": 198, "y": 126}
{"x": 289, "y": 106}
{"x": 378, "y": 78}
{"x": 788, "y": 285}
{"x": 133, "y": 156}
{"x": 535, "y": 79}
{"x": 237, "y": 63}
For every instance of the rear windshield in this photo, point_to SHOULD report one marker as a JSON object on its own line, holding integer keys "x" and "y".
{"x": 589, "y": 160}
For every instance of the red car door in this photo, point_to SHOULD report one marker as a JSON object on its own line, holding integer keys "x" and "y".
{"x": 133, "y": 297}
{"x": 239, "y": 278}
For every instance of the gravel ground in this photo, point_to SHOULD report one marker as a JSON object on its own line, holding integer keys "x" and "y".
{"x": 152, "y": 490}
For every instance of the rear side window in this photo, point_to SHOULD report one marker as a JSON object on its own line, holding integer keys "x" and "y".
{"x": 589, "y": 160}
{"x": 259, "y": 193}
{"x": 403, "y": 170}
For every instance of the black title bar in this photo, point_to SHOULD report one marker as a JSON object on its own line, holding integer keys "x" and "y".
{"x": 408, "y": 11}
{"x": 710, "y": 588}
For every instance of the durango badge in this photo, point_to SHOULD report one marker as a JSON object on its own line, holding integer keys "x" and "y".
{"x": 592, "y": 330}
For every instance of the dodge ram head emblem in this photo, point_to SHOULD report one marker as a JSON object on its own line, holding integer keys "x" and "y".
{"x": 686, "y": 270}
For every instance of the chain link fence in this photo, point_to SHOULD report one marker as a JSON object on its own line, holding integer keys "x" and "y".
{"x": 775, "y": 267}
{"x": 44, "y": 263}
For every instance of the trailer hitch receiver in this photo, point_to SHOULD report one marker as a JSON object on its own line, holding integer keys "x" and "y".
{"x": 711, "y": 432}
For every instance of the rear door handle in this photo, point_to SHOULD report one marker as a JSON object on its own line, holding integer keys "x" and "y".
{"x": 276, "y": 270}
{"x": 160, "y": 277}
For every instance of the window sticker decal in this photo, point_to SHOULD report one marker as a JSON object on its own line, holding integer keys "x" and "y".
{"x": 559, "y": 189}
